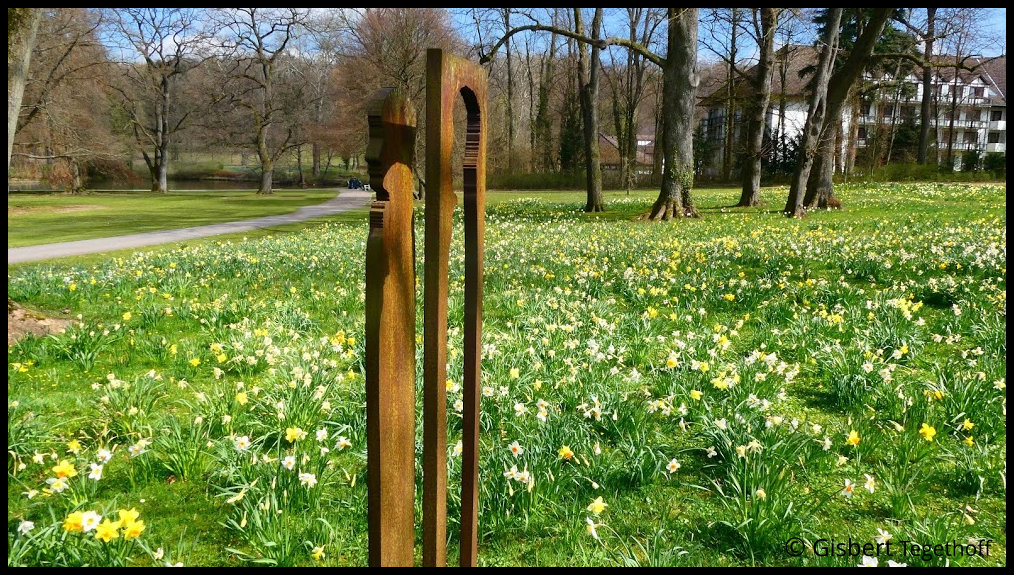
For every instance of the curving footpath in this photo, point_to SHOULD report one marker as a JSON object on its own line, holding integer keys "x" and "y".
{"x": 348, "y": 200}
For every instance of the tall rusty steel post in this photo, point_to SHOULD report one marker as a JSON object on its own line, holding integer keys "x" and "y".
{"x": 448, "y": 78}
{"x": 390, "y": 332}
{"x": 390, "y": 314}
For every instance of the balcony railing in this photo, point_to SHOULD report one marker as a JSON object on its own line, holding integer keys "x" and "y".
{"x": 961, "y": 146}
{"x": 994, "y": 148}
{"x": 998, "y": 125}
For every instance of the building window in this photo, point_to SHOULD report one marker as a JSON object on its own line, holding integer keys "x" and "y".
{"x": 971, "y": 137}
{"x": 861, "y": 133}
{"x": 977, "y": 92}
{"x": 864, "y": 109}
{"x": 996, "y": 116}
{"x": 889, "y": 110}
{"x": 993, "y": 138}
{"x": 983, "y": 115}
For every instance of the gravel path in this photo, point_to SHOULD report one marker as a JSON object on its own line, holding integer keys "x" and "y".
{"x": 348, "y": 200}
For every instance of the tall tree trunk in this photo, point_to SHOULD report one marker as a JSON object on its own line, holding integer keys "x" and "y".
{"x": 22, "y": 28}
{"x": 589, "y": 73}
{"x": 299, "y": 166}
{"x": 318, "y": 116}
{"x": 543, "y": 119}
{"x": 952, "y": 118}
{"x": 758, "y": 110}
{"x": 925, "y": 105}
{"x": 783, "y": 104}
{"x": 161, "y": 185}
{"x": 730, "y": 100}
{"x": 159, "y": 182}
{"x": 267, "y": 161}
{"x": 510, "y": 93}
{"x": 852, "y": 145}
{"x": 76, "y": 181}
{"x": 679, "y": 85}
{"x": 820, "y": 190}
{"x": 894, "y": 115}
{"x": 658, "y": 152}
{"x": 531, "y": 108}
{"x": 267, "y": 176}
{"x": 794, "y": 206}
{"x": 817, "y": 187}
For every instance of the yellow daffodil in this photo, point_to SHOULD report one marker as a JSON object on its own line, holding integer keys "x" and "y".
{"x": 598, "y": 506}
{"x": 74, "y": 522}
{"x": 293, "y": 434}
{"x": 853, "y": 439}
{"x": 64, "y": 469}
{"x": 927, "y": 431}
{"x": 566, "y": 453}
{"x": 107, "y": 531}
{"x": 133, "y": 529}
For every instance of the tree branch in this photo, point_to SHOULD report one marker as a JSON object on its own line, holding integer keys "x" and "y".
{"x": 601, "y": 44}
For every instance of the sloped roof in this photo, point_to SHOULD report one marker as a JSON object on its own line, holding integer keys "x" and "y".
{"x": 797, "y": 58}
{"x": 996, "y": 72}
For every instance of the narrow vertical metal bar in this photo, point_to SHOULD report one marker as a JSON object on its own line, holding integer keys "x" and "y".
{"x": 475, "y": 196}
{"x": 440, "y": 202}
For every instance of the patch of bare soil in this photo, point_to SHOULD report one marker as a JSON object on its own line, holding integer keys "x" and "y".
{"x": 21, "y": 322}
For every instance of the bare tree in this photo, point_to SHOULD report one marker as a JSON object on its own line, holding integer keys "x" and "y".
{"x": 22, "y": 26}
{"x": 165, "y": 39}
{"x": 386, "y": 47}
{"x": 588, "y": 74}
{"x": 925, "y": 106}
{"x": 680, "y": 80}
{"x": 64, "y": 121}
{"x": 627, "y": 84}
{"x": 820, "y": 187}
{"x": 815, "y": 116}
{"x": 258, "y": 38}
{"x": 758, "y": 106}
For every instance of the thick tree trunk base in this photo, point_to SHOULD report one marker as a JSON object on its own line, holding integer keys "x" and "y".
{"x": 594, "y": 208}
{"x": 749, "y": 203}
{"x": 665, "y": 210}
{"x": 825, "y": 203}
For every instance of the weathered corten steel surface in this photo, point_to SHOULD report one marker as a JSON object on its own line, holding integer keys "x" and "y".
{"x": 390, "y": 332}
{"x": 448, "y": 78}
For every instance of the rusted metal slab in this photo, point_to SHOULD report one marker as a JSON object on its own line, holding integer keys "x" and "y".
{"x": 448, "y": 78}
{"x": 390, "y": 332}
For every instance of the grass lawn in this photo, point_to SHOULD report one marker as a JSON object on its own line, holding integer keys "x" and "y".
{"x": 723, "y": 385}
{"x": 48, "y": 218}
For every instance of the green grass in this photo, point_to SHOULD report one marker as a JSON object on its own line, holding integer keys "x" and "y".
{"x": 606, "y": 323}
{"x": 34, "y": 219}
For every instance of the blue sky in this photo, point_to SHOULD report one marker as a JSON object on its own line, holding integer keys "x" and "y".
{"x": 998, "y": 25}
{"x": 995, "y": 25}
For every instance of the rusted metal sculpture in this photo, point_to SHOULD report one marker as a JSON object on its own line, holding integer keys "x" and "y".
{"x": 448, "y": 78}
{"x": 390, "y": 332}
{"x": 390, "y": 314}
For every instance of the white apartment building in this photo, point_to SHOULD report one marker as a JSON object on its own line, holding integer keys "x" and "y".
{"x": 969, "y": 111}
